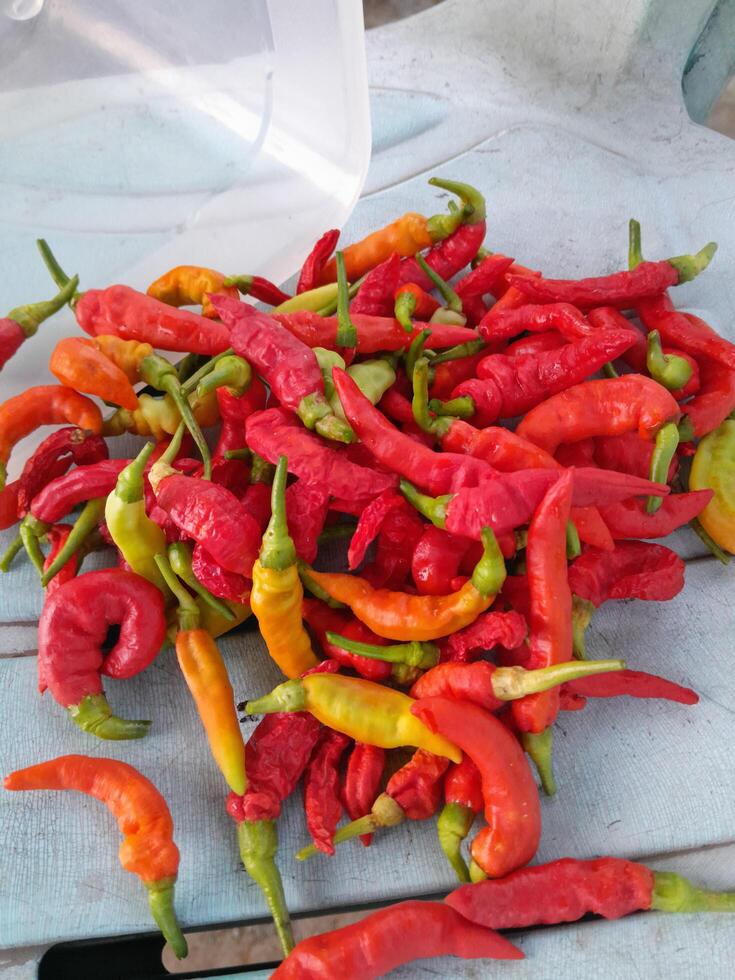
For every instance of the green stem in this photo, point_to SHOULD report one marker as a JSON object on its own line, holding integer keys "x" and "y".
{"x": 161, "y": 902}
{"x": 57, "y": 273}
{"x": 130, "y": 486}
{"x": 635, "y": 255}
{"x": 450, "y": 297}
{"x": 278, "y": 550}
{"x": 712, "y": 546}
{"x": 667, "y": 439}
{"x": 385, "y": 813}
{"x": 317, "y": 590}
{"x": 289, "y": 696}
{"x": 32, "y": 315}
{"x": 179, "y": 556}
{"x": 434, "y": 508}
{"x": 173, "y": 448}
{"x": 672, "y": 893}
{"x": 670, "y": 370}
{"x": 539, "y": 747}
{"x": 92, "y": 513}
{"x": 161, "y": 374}
{"x": 489, "y": 573}
{"x": 243, "y": 454}
{"x": 258, "y": 842}
{"x": 231, "y": 372}
{"x": 574, "y": 545}
{"x": 481, "y": 254}
{"x": 413, "y": 654}
{"x": 689, "y": 266}
{"x": 511, "y": 683}
{"x": 468, "y": 349}
{"x": 609, "y": 370}
{"x": 420, "y": 401}
{"x": 261, "y": 471}
{"x": 461, "y": 407}
{"x": 188, "y": 615}
{"x": 415, "y": 351}
{"x": 331, "y": 307}
{"x": 346, "y": 333}
{"x": 11, "y": 551}
{"x": 686, "y": 429}
{"x": 193, "y": 380}
{"x": 404, "y": 309}
{"x": 454, "y": 824}
{"x": 188, "y": 364}
{"x": 30, "y": 533}
{"x": 94, "y": 715}
{"x": 473, "y": 203}
{"x": 582, "y": 612}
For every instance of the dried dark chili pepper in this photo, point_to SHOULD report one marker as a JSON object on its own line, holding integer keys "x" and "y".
{"x": 53, "y": 457}
{"x": 322, "y": 804}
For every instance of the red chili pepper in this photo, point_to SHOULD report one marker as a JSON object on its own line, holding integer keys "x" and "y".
{"x": 57, "y": 536}
{"x": 621, "y": 289}
{"x": 126, "y": 313}
{"x": 484, "y": 278}
{"x": 451, "y": 373}
{"x": 306, "y": 507}
{"x": 462, "y": 802}
{"x": 274, "y": 433}
{"x": 629, "y": 518}
{"x": 363, "y": 777}
{"x": 565, "y": 890}
{"x": 375, "y": 295}
{"x": 416, "y": 787}
{"x": 370, "y": 522}
{"x": 71, "y": 631}
{"x": 633, "y": 684}
{"x": 608, "y": 406}
{"x": 503, "y": 324}
{"x": 9, "y": 504}
{"x": 447, "y": 257}
{"x": 535, "y": 343}
{"x": 463, "y": 785}
{"x": 489, "y": 629}
{"x": 396, "y": 406}
{"x": 259, "y": 288}
{"x": 234, "y": 411}
{"x": 220, "y": 582}
{"x": 53, "y": 457}
{"x": 257, "y": 502}
{"x": 635, "y": 570}
{"x": 322, "y": 804}
{"x": 210, "y": 515}
{"x": 550, "y": 620}
{"x": 626, "y": 453}
{"x": 608, "y": 318}
{"x": 685, "y": 332}
{"x": 502, "y": 449}
{"x": 23, "y": 322}
{"x": 511, "y": 386}
{"x": 512, "y": 808}
{"x": 374, "y": 333}
{"x": 389, "y": 938}
{"x": 435, "y": 471}
{"x": 715, "y": 399}
{"x": 61, "y": 496}
{"x": 322, "y": 620}
{"x": 424, "y": 307}
{"x": 397, "y": 541}
{"x": 316, "y": 260}
{"x": 436, "y": 560}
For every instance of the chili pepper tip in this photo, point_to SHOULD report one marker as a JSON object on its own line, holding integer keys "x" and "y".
{"x": 161, "y": 902}
{"x": 94, "y": 715}
{"x": 539, "y": 747}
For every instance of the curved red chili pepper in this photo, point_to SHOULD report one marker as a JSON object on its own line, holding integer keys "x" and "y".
{"x": 306, "y": 506}
{"x": 369, "y": 525}
{"x": 220, "y": 582}
{"x": 363, "y": 777}
{"x": 436, "y": 560}
{"x": 503, "y": 324}
{"x": 316, "y": 260}
{"x": 61, "y": 496}
{"x": 685, "y": 332}
{"x": 274, "y": 433}
{"x": 484, "y": 278}
{"x": 322, "y": 804}
{"x": 511, "y": 799}
{"x": 508, "y": 629}
{"x": 447, "y": 257}
{"x": 53, "y": 457}
{"x": 621, "y": 289}
{"x": 635, "y": 570}
{"x": 550, "y": 621}
{"x": 715, "y": 399}
{"x": 375, "y": 295}
{"x": 126, "y": 313}
{"x": 632, "y": 684}
{"x": 630, "y": 519}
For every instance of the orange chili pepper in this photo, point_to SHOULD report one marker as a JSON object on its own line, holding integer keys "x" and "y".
{"x": 78, "y": 364}
{"x": 426, "y": 305}
{"x": 124, "y": 354}
{"x": 42, "y": 405}
{"x": 400, "y": 616}
{"x": 189, "y": 285}
{"x": 148, "y": 849}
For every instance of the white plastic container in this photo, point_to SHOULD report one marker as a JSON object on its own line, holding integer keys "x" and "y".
{"x": 139, "y": 135}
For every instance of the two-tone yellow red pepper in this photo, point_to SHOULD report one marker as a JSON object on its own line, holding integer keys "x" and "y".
{"x": 713, "y": 468}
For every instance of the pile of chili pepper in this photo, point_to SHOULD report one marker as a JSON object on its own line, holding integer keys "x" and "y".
{"x": 366, "y": 408}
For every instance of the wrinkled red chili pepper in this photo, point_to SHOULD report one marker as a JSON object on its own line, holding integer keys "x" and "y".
{"x": 635, "y": 570}
{"x": 491, "y": 628}
{"x": 61, "y": 496}
{"x": 369, "y": 525}
{"x": 629, "y": 518}
{"x": 685, "y": 332}
{"x": 715, "y": 399}
{"x": 71, "y": 631}
{"x": 53, "y": 457}
{"x": 397, "y": 541}
{"x": 484, "y": 278}
{"x": 274, "y": 433}
{"x": 259, "y": 288}
{"x": 510, "y": 386}
{"x": 511, "y": 799}
{"x": 220, "y": 582}
{"x": 210, "y": 515}
{"x": 322, "y": 804}
{"x": 322, "y": 619}
{"x": 503, "y": 324}
{"x": 316, "y": 260}
{"x": 374, "y": 333}
{"x": 375, "y": 295}
{"x": 9, "y": 504}
{"x": 306, "y": 506}
{"x": 447, "y": 257}
{"x": 535, "y": 343}
{"x": 362, "y": 781}
{"x": 390, "y": 937}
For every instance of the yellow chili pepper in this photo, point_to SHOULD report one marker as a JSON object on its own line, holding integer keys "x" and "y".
{"x": 124, "y": 354}
{"x": 277, "y": 593}
{"x": 188, "y": 285}
{"x": 311, "y": 299}
{"x": 159, "y": 417}
{"x": 713, "y": 467}
{"x": 368, "y": 712}
{"x": 138, "y": 538}
{"x": 400, "y": 616}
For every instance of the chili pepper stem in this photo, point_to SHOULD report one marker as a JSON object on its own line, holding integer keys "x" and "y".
{"x": 476, "y": 872}
{"x": 258, "y": 842}
{"x": 193, "y": 380}
{"x": 689, "y": 266}
{"x": 582, "y": 613}
{"x": 346, "y": 332}
{"x": 473, "y": 209}
{"x": 672, "y": 893}
{"x": 413, "y": 654}
{"x": 454, "y": 823}
{"x": 635, "y": 255}
{"x": 93, "y": 714}
{"x": 278, "y": 550}
{"x": 510, "y": 683}
{"x": 11, "y": 551}
{"x": 31, "y": 530}
{"x": 231, "y": 372}
{"x": 711, "y": 544}
{"x": 468, "y": 349}
{"x": 57, "y": 273}
{"x": 574, "y": 545}
{"x": 539, "y": 747}
{"x": 461, "y": 407}
{"x": 91, "y": 515}
{"x": 161, "y": 374}
{"x": 434, "y": 508}
{"x": 420, "y": 401}
{"x": 316, "y": 590}
{"x": 161, "y": 902}
{"x": 129, "y": 486}
{"x": 667, "y": 439}
{"x": 385, "y": 813}
{"x": 188, "y": 615}
{"x": 404, "y": 309}
{"x": 288, "y": 696}
{"x": 31, "y": 315}
{"x": 450, "y": 297}
{"x": 489, "y": 573}
{"x": 179, "y": 556}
